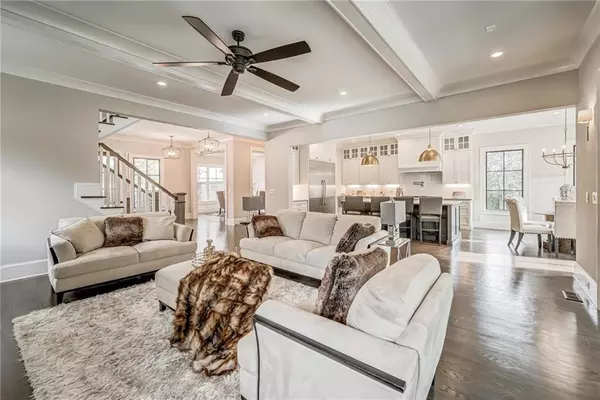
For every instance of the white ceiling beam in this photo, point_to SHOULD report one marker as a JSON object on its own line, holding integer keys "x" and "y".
{"x": 380, "y": 26}
{"x": 44, "y": 20}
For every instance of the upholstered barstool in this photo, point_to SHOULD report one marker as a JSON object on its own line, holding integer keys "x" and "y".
{"x": 519, "y": 222}
{"x": 564, "y": 222}
{"x": 376, "y": 204}
{"x": 354, "y": 204}
{"x": 430, "y": 210}
{"x": 409, "y": 205}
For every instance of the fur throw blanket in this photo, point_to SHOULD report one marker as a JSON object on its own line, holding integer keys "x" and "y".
{"x": 215, "y": 306}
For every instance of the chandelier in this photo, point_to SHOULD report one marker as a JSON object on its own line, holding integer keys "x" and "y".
{"x": 208, "y": 145}
{"x": 171, "y": 152}
{"x": 563, "y": 158}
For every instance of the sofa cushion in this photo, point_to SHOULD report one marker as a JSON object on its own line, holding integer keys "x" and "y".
{"x": 263, "y": 245}
{"x": 295, "y": 250}
{"x": 386, "y": 303}
{"x": 344, "y": 222}
{"x": 318, "y": 227}
{"x": 123, "y": 231}
{"x": 266, "y": 226}
{"x": 101, "y": 259}
{"x": 159, "y": 228}
{"x": 344, "y": 277}
{"x": 320, "y": 256}
{"x": 157, "y": 249}
{"x": 291, "y": 222}
{"x": 83, "y": 234}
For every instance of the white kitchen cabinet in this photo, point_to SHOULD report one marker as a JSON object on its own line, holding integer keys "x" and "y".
{"x": 295, "y": 160}
{"x": 369, "y": 174}
{"x": 388, "y": 170}
{"x": 323, "y": 152}
{"x": 410, "y": 149}
{"x": 456, "y": 167}
{"x": 350, "y": 172}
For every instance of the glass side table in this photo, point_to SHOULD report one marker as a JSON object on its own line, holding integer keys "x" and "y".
{"x": 395, "y": 249}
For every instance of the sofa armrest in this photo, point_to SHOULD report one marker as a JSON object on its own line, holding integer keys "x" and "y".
{"x": 348, "y": 362}
{"x": 59, "y": 250}
{"x": 183, "y": 233}
{"x": 369, "y": 241}
{"x": 250, "y": 230}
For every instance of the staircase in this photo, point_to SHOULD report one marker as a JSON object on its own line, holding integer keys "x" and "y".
{"x": 124, "y": 188}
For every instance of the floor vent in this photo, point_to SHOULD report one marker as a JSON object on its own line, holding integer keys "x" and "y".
{"x": 572, "y": 296}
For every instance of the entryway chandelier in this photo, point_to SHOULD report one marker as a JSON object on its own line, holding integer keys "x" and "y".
{"x": 562, "y": 159}
{"x": 171, "y": 152}
{"x": 208, "y": 145}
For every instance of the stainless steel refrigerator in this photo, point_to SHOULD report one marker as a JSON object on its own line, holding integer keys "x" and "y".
{"x": 321, "y": 186}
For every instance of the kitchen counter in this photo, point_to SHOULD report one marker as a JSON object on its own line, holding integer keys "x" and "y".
{"x": 445, "y": 201}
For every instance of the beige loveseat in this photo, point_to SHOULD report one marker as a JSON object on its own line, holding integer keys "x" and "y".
{"x": 68, "y": 270}
{"x": 309, "y": 241}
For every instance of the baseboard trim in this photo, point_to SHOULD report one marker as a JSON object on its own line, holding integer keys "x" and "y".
{"x": 588, "y": 286}
{"x": 23, "y": 270}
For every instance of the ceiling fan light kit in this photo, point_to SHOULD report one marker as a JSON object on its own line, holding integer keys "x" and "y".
{"x": 240, "y": 58}
{"x": 429, "y": 154}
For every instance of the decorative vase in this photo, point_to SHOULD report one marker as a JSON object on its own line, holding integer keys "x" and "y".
{"x": 209, "y": 250}
{"x": 567, "y": 192}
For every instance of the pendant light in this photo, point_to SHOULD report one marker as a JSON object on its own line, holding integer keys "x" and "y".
{"x": 429, "y": 154}
{"x": 369, "y": 159}
{"x": 171, "y": 152}
{"x": 208, "y": 146}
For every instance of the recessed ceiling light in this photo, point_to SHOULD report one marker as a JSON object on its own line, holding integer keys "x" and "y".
{"x": 161, "y": 83}
{"x": 490, "y": 28}
{"x": 556, "y": 112}
{"x": 265, "y": 114}
{"x": 460, "y": 126}
{"x": 343, "y": 93}
{"x": 497, "y": 54}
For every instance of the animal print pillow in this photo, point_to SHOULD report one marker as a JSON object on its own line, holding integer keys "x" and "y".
{"x": 123, "y": 231}
{"x": 355, "y": 233}
{"x": 266, "y": 225}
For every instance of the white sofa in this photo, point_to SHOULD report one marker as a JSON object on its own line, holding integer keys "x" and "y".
{"x": 68, "y": 270}
{"x": 389, "y": 348}
{"x": 309, "y": 242}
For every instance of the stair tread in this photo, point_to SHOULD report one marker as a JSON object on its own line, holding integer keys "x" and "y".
{"x": 109, "y": 207}
{"x": 92, "y": 197}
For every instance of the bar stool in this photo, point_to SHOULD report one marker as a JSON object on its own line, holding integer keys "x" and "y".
{"x": 376, "y": 204}
{"x": 430, "y": 211}
{"x": 354, "y": 204}
{"x": 409, "y": 205}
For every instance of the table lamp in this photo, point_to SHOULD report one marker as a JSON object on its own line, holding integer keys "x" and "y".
{"x": 393, "y": 213}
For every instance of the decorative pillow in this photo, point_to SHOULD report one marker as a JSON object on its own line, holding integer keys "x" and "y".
{"x": 266, "y": 225}
{"x": 355, "y": 233}
{"x": 159, "y": 228}
{"x": 84, "y": 235}
{"x": 123, "y": 231}
{"x": 344, "y": 276}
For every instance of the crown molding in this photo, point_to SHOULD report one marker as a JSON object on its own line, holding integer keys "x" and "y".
{"x": 46, "y": 21}
{"x": 589, "y": 34}
{"x": 373, "y": 106}
{"x": 138, "y": 139}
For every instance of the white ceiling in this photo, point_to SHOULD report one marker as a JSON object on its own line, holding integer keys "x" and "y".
{"x": 382, "y": 53}
{"x": 157, "y": 131}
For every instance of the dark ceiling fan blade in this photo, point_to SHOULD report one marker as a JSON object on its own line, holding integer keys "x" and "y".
{"x": 208, "y": 34}
{"x": 188, "y": 63}
{"x": 274, "y": 79}
{"x": 230, "y": 83}
{"x": 278, "y": 53}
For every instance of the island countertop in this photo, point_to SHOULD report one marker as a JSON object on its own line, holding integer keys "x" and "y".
{"x": 445, "y": 201}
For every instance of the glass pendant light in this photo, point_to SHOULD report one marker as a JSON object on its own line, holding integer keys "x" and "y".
{"x": 369, "y": 159}
{"x": 171, "y": 152}
{"x": 429, "y": 154}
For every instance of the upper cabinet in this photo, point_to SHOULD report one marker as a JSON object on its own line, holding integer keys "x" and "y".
{"x": 457, "y": 164}
{"x": 323, "y": 152}
{"x": 386, "y": 173}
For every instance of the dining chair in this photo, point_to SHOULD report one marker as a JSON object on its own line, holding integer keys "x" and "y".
{"x": 354, "y": 204}
{"x": 375, "y": 207}
{"x": 430, "y": 211}
{"x": 221, "y": 198}
{"x": 519, "y": 222}
{"x": 564, "y": 226}
{"x": 409, "y": 205}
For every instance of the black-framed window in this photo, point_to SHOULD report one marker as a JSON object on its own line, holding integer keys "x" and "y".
{"x": 503, "y": 176}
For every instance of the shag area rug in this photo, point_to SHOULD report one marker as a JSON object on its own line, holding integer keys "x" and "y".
{"x": 116, "y": 346}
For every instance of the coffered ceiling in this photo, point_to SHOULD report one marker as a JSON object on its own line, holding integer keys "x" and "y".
{"x": 381, "y": 54}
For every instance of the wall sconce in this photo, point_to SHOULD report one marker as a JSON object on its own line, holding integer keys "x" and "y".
{"x": 585, "y": 117}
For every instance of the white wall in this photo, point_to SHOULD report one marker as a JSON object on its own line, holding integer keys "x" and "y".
{"x": 49, "y": 142}
{"x": 559, "y": 90}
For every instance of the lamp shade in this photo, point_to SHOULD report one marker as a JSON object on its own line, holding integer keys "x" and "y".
{"x": 584, "y": 116}
{"x": 393, "y": 212}
{"x": 369, "y": 160}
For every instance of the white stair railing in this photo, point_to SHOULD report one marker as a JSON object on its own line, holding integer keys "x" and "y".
{"x": 126, "y": 187}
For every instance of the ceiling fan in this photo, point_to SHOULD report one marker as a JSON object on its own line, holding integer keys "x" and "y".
{"x": 240, "y": 58}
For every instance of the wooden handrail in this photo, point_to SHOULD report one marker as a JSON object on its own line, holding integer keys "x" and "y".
{"x": 133, "y": 167}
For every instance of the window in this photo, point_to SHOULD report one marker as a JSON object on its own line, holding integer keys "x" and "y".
{"x": 363, "y": 152}
{"x": 504, "y": 176}
{"x": 346, "y": 154}
{"x": 383, "y": 150}
{"x": 394, "y": 149}
{"x": 149, "y": 166}
{"x": 354, "y": 153}
{"x": 463, "y": 142}
{"x": 373, "y": 150}
{"x": 448, "y": 144}
{"x": 210, "y": 181}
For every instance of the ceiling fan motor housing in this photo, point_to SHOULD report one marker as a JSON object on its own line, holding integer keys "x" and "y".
{"x": 242, "y": 57}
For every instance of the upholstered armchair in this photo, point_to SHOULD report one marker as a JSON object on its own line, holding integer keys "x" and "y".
{"x": 389, "y": 347}
{"x": 520, "y": 224}
{"x": 564, "y": 222}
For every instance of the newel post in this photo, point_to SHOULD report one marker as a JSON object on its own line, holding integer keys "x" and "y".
{"x": 180, "y": 208}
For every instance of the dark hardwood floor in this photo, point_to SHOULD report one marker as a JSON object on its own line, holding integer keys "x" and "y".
{"x": 511, "y": 333}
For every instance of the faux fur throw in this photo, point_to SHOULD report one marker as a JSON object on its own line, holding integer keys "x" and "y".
{"x": 344, "y": 276}
{"x": 355, "y": 233}
{"x": 266, "y": 225}
{"x": 123, "y": 231}
{"x": 215, "y": 306}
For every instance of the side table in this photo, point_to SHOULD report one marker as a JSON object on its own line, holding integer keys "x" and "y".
{"x": 397, "y": 246}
